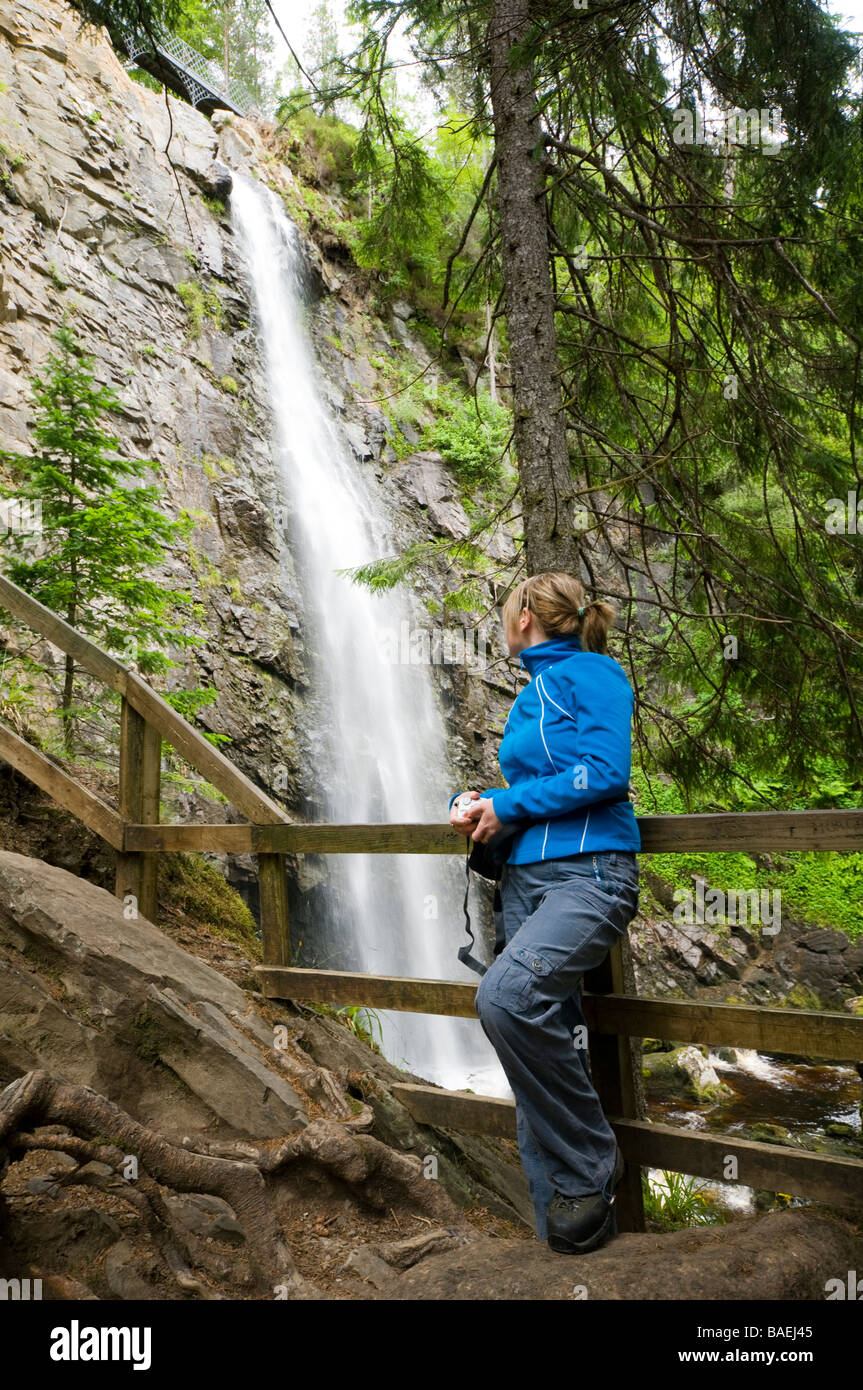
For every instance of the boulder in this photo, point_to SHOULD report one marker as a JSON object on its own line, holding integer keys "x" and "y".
{"x": 217, "y": 180}
{"x": 787, "y": 1255}
{"x": 108, "y": 996}
{"x": 685, "y": 1073}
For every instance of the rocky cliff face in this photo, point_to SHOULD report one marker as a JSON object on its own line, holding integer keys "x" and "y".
{"x": 99, "y": 222}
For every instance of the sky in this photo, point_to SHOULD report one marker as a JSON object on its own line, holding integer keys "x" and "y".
{"x": 294, "y": 17}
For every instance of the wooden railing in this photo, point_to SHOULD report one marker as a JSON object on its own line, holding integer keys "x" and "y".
{"x": 614, "y": 1016}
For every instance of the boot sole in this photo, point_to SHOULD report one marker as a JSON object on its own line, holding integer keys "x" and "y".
{"x": 561, "y": 1246}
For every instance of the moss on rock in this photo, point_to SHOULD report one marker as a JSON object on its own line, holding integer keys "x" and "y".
{"x": 192, "y": 890}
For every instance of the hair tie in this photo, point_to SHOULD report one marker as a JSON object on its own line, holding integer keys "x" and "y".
{"x": 581, "y": 612}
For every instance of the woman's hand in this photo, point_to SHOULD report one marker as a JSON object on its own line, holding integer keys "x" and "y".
{"x": 488, "y": 823}
{"x": 479, "y": 820}
{"x": 465, "y": 822}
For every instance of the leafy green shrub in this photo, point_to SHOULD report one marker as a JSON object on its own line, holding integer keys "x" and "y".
{"x": 319, "y": 149}
{"x": 473, "y": 445}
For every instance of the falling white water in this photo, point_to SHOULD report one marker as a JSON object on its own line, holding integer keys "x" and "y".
{"x": 746, "y": 1059}
{"x": 383, "y": 754}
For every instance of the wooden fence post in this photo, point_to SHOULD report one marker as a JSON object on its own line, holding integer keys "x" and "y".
{"x": 615, "y": 1064}
{"x": 140, "y": 775}
{"x": 275, "y": 925}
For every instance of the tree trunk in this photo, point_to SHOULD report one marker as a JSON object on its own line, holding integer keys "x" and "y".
{"x": 66, "y": 705}
{"x": 540, "y": 434}
{"x": 490, "y": 359}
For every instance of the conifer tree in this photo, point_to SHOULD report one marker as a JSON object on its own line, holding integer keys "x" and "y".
{"x": 101, "y": 534}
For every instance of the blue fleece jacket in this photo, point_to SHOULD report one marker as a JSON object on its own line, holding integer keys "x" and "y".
{"x": 566, "y": 753}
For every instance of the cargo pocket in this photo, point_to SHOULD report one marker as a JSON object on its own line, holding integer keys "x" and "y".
{"x": 536, "y": 963}
{"x": 511, "y": 981}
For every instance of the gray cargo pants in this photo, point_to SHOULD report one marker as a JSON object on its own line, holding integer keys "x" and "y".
{"x": 560, "y": 916}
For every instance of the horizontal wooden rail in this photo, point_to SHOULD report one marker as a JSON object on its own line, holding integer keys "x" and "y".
{"x": 445, "y": 997}
{"x": 772, "y": 1167}
{"x": 203, "y": 756}
{"x": 96, "y": 814}
{"x": 748, "y": 832}
{"x": 804, "y": 1032}
{"x": 297, "y": 839}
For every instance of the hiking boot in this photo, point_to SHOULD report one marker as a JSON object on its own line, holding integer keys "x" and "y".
{"x": 579, "y": 1224}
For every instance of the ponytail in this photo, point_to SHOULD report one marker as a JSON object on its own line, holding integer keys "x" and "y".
{"x": 598, "y": 618}
{"x": 558, "y": 603}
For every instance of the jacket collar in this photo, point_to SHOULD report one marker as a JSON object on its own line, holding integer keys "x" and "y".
{"x": 544, "y": 654}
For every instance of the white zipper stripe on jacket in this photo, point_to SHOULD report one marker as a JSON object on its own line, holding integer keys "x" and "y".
{"x": 554, "y": 702}
{"x": 540, "y": 689}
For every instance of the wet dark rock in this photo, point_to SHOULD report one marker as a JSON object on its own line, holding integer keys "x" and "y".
{"x": 217, "y": 180}
{"x": 425, "y": 478}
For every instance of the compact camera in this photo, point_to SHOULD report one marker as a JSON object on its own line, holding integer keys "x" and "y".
{"x": 463, "y": 803}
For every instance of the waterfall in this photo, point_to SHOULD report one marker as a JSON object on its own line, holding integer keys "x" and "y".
{"x": 380, "y": 740}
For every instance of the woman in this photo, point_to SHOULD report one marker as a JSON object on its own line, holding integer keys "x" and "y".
{"x": 569, "y": 890}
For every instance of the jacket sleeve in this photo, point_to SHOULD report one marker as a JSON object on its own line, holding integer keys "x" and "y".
{"x": 600, "y": 772}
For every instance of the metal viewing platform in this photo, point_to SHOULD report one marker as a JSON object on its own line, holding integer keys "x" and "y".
{"x": 182, "y": 69}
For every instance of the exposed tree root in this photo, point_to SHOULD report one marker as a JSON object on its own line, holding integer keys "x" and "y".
{"x": 378, "y": 1174}
{"x": 37, "y": 1099}
{"x": 92, "y": 1130}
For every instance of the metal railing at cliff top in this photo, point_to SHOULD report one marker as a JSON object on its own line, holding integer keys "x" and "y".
{"x": 171, "y": 60}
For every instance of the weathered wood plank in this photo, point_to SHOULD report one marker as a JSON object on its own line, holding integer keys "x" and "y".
{"x": 300, "y": 839}
{"x": 753, "y": 831}
{"x": 217, "y": 839}
{"x": 458, "y": 1110}
{"x": 206, "y": 759}
{"x": 36, "y": 616}
{"x": 275, "y": 923}
{"x": 807, "y": 1032}
{"x": 773, "y": 1167}
{"x": 837, "y": 1181}
{"x": 140, "y": 773}
{"x": 445, "y": 997}
{"x": 615, "y": 1065}
{"x": 90, "y": 809}
{"x": 834, "y": 1037}
{"x": 747, "y": 832}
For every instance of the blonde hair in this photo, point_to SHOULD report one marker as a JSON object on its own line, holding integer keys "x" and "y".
{"x": 554, "y": 599}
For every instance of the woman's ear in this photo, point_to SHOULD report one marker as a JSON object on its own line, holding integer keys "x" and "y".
{"x": 524, "y": 618}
